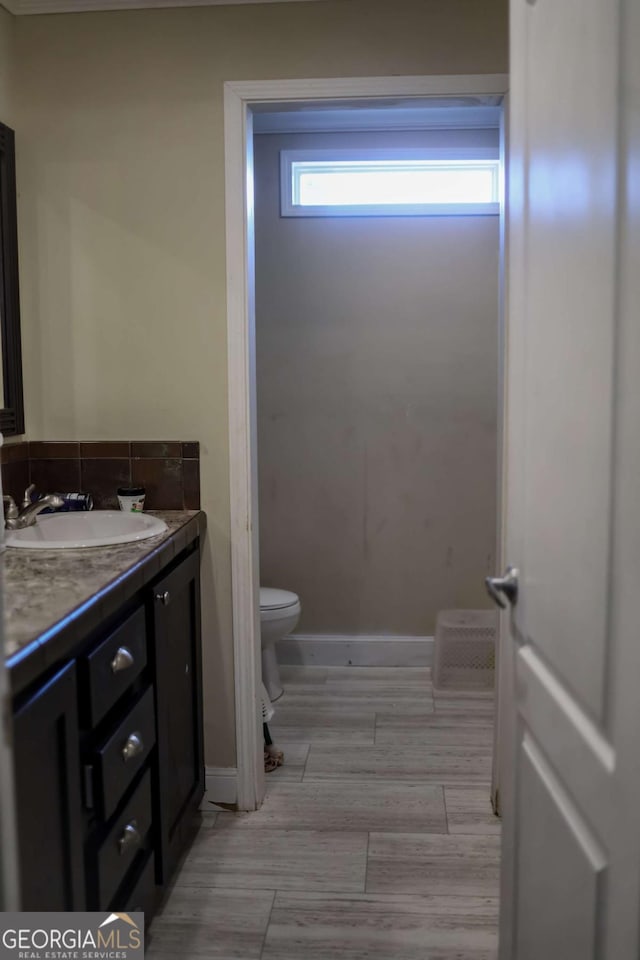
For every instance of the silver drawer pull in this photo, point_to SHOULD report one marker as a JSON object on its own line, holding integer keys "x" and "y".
{"x": 122, "y": 660}
{"x": 133, "y": 747}
{"x": 130, "y": 837}
{"x": 164, "y": 598}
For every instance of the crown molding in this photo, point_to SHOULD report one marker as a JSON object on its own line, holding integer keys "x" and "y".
{"x": 32, "y": 7}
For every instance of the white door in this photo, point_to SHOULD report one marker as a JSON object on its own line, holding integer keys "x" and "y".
{"x": 571, "y": 864}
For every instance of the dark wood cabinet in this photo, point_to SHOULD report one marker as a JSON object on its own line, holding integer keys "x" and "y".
{"x": 109, "y": 755}
{"x": 47, "y": 772}
{"x": 175, "y": 602}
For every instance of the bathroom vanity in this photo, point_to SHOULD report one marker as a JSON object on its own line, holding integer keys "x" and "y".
{"x": 104, "y": 658}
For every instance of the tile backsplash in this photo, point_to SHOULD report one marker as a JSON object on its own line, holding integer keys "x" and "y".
{"x": 169, "y": 470}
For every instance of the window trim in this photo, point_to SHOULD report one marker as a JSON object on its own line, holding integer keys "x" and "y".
{"x": 289, "y": 209}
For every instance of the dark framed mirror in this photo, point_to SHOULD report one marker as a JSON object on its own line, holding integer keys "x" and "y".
{"x": 11, "y": 393}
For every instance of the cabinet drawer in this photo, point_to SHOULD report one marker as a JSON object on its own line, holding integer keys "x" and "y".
{"x": 142, "y": 897}
{"x": 114, "y": 664}
{"x": 124, "y": 842}
{"x": 124, "y": 753}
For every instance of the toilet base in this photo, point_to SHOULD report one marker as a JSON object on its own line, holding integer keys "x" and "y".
{"x": 271, "y": 673}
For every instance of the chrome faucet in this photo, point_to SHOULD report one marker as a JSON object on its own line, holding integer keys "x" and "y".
{"x": 18, "y": 519}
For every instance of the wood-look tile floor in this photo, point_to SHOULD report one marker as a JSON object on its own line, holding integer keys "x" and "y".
{"x": 376, "y": 840}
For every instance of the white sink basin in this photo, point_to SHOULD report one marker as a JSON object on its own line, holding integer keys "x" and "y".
{"x": 96, "y": 528}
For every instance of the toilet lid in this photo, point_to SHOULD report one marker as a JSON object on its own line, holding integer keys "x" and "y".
{"x": 272, "y": 599}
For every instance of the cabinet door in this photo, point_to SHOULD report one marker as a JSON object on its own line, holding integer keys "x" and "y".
{"x": 178, "y": 663}
{"x": 47, "y": 767}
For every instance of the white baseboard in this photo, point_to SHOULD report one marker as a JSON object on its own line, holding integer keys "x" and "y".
{"x": 335, "y": 651}
{"x": 221, "y": 786}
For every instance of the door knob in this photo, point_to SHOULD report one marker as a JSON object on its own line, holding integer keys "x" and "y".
{"x": 130, "y": 837}
{"x": 133, "y": 747}
{"x": 122, "y": 660}
{"x": 506, "y": 586}
{"x": 164, "y": 598}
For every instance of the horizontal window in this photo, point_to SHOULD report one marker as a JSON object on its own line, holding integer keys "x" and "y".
{"x": 405, "y": 183}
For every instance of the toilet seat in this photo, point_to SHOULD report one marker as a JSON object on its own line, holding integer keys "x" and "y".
{"x": 279, "y": 614}
{"x": 272, "y": 599}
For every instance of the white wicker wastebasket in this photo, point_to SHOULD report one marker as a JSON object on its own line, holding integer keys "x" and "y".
{"x": 465, "y": 646}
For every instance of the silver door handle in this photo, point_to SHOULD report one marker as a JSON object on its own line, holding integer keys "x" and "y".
{"x": 506, "y": 586}
{"x": 164, "y": 598}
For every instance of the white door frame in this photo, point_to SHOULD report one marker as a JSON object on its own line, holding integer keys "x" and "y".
{"x": 504, "y": 664}
{"x": 239, "y": 97}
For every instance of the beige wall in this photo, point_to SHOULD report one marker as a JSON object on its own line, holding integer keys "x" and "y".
{"x": 121, "y": 217}
{"x": 377, "y": 391}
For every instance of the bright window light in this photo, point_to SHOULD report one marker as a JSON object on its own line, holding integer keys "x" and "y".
{"x": 394, "y": 181}
{"x": 334, "y": 185}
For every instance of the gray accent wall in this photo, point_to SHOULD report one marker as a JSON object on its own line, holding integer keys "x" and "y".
{"x": 377, "y": 347}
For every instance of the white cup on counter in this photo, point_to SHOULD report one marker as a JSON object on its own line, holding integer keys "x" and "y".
{"x": 131, "y": 499}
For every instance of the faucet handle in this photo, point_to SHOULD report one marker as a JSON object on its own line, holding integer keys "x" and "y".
{"x": 26, "y": 501}
{"x": 12, "y": 510}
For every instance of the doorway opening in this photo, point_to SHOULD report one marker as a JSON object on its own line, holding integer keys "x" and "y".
{"x": 248, "y": 106}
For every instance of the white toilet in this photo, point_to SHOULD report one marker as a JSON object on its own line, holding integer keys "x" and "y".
{"x": 279, "y": 614}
